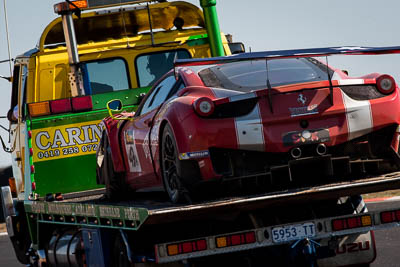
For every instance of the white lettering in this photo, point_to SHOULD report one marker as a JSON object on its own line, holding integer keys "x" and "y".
{"x": 58, "y": 137}
{"x": 73, "y": 136}
{"x": 86, "y": 139}
{"x": 39, "y": 140}
{"x": 96, "y": 132}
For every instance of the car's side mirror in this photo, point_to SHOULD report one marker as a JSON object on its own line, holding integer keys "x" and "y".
{"x": 114, "y": 105}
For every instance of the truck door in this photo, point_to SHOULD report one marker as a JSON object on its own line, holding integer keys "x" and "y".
{"x": 16, "y": 116}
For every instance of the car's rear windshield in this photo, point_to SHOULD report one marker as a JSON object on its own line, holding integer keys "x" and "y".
{"x": 251, "y": 75}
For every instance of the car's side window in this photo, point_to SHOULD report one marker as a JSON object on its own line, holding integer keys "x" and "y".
{"x": 159, "y": 94}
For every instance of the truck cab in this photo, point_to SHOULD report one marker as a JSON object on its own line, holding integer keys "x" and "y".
{"x": 122, "y": 49}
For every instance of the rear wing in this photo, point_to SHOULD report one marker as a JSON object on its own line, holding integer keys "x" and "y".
{"x": 296, "y": 53}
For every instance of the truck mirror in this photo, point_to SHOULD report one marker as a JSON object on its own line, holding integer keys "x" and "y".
{"x": 237, "y": 48}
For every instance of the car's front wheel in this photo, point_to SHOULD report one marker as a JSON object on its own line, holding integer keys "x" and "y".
{"x": 115, "y": 189}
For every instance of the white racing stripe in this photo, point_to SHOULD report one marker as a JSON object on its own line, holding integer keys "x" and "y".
{"x": 249, "y": 130}
{"x": 350, "y": 81}
{"x": 358, "y": 116}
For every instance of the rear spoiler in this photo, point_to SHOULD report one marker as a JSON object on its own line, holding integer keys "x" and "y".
{"x": 308, "y": 52}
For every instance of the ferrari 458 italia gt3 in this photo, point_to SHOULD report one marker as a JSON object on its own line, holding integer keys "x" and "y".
{"x": 268, "y": 121}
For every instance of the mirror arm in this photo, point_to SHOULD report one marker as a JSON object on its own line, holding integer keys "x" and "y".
{"x": 5, "y": 148}
{"x": 6, "y": 78}
{"x": 4, "y": 128}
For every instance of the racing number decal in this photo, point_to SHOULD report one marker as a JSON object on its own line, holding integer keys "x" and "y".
{"x": 133, "y": 159}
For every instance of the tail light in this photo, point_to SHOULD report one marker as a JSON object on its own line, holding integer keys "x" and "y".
{"x": 390, "y": 216}
{"x": 76, "y": 104}
{"x": 204, "y": 106}
{"x": 39, "y": 109}
{"x": 60, "y": 106}
{"x": 351, "y": 223}
{"x": 82, "y": 103}
{"x": 235, "y": 239}
{"x": 186, "y": 247}
{"x": 386, "y": 84}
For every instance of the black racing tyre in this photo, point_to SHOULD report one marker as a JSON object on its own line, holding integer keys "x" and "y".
{"x": 172, "y": 168}
{"x": 114, "y": 182}
{"x": 119, "y": 256}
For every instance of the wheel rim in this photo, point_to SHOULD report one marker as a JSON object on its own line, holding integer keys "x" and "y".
{"x": 170, "y": 167}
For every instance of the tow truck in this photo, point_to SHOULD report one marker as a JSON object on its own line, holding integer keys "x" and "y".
{"x": 55, "y": 213}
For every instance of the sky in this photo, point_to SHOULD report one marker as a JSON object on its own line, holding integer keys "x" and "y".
{"x": 260, "y": 24}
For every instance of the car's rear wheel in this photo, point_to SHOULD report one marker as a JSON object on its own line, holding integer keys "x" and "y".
{"x": 172, "y": 167}
{"x": 115, "y": 189}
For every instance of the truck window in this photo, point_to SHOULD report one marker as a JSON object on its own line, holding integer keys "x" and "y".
{"x": 105, "y": 76}
{"x": 151, "y": 67}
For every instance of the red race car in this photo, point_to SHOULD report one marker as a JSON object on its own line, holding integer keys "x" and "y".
{"x": 266, "y": 120}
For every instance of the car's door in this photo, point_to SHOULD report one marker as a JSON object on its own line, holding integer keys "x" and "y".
{"x": 139, "y": 164}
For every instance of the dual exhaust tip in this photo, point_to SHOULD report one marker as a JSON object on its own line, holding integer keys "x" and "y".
{"x": 297, "y": 152}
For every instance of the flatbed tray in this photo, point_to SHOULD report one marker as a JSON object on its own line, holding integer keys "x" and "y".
{"x": 160, "y": 210}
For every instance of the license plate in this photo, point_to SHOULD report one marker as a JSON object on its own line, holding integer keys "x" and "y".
{"x": 293, "y": 232}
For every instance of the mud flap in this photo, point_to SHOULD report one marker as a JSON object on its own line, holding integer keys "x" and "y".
{"x": 351, "y": 250}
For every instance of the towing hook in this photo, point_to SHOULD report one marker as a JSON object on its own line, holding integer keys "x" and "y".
{"x": 295, "y": 153}
{"x": 321, "y": 149}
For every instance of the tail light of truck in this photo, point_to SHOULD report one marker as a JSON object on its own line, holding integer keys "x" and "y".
{"x": 351, "y": 223}
{"x": 390, "y": 216}
{"x": 82, "y": 103}
{"x": 235, "y": 239}
{"x": 39, "y": 109}
{"x": 58, "y": 106}
{"x": 186, "y": 247}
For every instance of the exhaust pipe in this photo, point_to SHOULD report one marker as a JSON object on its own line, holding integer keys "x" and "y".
{"x": 321, "y": 149}
{"x": 295, "y": 153}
